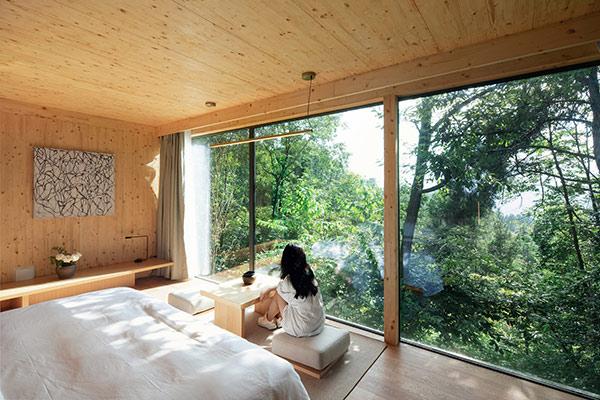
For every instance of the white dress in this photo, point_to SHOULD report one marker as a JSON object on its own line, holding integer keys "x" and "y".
{"x": 302, "y": 316}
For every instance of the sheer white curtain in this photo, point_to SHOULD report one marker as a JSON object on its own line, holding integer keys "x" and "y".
{"x": 197, "y": 207}
{"x": 183, "y": 216}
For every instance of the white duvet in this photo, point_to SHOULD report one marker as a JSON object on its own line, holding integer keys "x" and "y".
{"x": 122, "y": 344}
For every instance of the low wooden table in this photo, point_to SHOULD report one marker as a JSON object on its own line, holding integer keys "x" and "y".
{"x": 23, "y": 293}
{"x": 232, "y": 298}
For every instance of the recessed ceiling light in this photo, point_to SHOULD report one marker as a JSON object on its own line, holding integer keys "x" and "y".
{"x": 210, "y": 104}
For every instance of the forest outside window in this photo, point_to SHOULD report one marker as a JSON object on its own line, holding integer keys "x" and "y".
{"x": 500, "y": 222}
{"x": 229, "y": 206}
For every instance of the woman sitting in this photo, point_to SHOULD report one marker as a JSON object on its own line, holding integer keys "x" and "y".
{"x": 295, "y": 304}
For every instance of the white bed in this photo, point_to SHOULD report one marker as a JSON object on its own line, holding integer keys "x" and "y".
{"x": 122, "y": 344}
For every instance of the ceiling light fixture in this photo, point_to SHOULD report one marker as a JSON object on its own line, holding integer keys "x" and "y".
{"x": 210, "y": 104}
{"x": 307, "y": 76}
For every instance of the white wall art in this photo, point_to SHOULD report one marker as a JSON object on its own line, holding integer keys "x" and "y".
{"x": 69, "y": 183}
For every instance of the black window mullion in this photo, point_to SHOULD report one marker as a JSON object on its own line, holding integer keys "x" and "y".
{"x": 251, "y": 200}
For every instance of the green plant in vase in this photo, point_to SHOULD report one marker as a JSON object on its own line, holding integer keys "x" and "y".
{"x": 65, "y": 262}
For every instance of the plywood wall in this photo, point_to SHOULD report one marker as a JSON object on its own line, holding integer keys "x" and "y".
{"x": 27, "y": 241}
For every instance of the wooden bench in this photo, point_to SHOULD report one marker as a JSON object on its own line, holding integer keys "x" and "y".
{"x": 44, "y": 288}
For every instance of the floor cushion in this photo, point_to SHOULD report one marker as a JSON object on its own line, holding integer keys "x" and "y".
{"x": 313, "y": 351}
{"x": 190, "y": 301}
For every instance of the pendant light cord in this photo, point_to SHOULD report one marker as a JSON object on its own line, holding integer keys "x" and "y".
{"x": 309, "y": 94}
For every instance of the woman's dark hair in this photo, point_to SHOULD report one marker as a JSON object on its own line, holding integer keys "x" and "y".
{"x": 294, "y": 265}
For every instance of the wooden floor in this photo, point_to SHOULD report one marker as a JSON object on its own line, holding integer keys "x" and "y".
{"x": 411, "y": 373}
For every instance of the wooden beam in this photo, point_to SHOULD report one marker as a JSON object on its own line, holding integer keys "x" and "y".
{"x": 391, "y": 281}
{"x": 555, "y": 40}
{"x": 561, "y": 58}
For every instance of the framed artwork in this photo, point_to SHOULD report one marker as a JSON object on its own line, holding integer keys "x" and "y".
{"x": 70, "y": 183}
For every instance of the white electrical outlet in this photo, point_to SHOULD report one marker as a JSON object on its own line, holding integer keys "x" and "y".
{"x": 24, "y": 273}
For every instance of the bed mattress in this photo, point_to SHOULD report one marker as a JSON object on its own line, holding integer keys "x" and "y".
{"x": 122, "y": 344}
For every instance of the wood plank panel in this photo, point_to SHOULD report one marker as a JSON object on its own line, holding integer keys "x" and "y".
{"x": 526, "y": 65}
{"x": 473, "y": 21}
{"x": 558, "y": 44}
{"x": 157, "y": 62}
{"x": 391, "y": 282}
{"x": 27, "y": 241}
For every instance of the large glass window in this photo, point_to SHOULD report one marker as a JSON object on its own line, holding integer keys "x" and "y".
{"x": 322, "y": 190}
{"x": 500, "y": 196}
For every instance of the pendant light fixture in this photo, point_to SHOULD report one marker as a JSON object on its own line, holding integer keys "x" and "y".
{"x": 307, "y": 76}
{"x": 310, "y": 77}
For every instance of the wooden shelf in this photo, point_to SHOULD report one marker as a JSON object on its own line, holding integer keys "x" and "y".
{"x": 49, "y": 287}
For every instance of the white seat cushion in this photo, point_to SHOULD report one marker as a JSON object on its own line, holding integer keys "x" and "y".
{"x": 313, "y": 351}
{"x": 190, "y": 301}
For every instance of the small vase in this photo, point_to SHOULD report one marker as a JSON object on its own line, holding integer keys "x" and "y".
{"x": 66, "y": 271}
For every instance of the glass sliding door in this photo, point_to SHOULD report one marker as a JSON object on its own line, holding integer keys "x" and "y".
{"x": 499, "y": 207}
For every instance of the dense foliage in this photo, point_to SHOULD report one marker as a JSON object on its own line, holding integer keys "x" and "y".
{"x": 515, "y": 287}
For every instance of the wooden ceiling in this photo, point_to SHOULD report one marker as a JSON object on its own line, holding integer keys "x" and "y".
{"x": 158, "y": 61}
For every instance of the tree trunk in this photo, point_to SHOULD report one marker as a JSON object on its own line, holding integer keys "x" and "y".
{"x": 275, "y": 192}
{"x": 416, "y": 190}
{"x": 426, "y": 129}
{"x": 568, "y": 206}
{"x": 279, "y": 172}
{"x": 594, "y": 92}
{"x": 585, "y": 164}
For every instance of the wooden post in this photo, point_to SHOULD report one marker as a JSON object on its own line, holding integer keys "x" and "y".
{"x": 391, "y": 283}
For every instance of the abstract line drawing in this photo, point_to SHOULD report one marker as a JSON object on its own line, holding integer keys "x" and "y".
{"x": 70, "y": 183}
